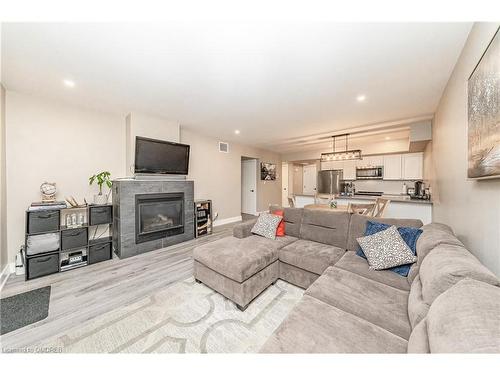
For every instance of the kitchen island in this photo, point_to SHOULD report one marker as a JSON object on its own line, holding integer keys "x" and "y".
{"x": 400, "y": 207}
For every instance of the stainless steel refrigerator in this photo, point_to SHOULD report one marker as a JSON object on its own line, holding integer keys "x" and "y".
{"x": 329, "y": 181}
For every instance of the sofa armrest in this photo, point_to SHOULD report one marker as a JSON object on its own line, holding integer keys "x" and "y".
{"x": 244, "y": 229}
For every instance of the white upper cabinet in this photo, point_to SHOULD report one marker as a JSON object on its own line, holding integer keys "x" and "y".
{"x": 393, "y": 167}
{"x": 413, "y": 166}
{"x": 348, "y": 168}
{"x": 327, "y": 165}
{"x": 371, "y": 161}
{"x": 396, "y": 167}
{"x": 349, "y": 171}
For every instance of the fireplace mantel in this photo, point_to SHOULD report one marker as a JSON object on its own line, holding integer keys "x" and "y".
{"x": 125, "y": 195}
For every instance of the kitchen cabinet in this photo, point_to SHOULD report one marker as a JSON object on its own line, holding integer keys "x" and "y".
{"x": 371, "y": 161}
{"x": 393, "y": 167}
{"x": 327, "y": 165}
{"x": 349, "y": 170}
{"x": 413, "y": 166}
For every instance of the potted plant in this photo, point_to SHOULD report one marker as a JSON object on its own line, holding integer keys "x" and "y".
{"x": 101, "y": 179}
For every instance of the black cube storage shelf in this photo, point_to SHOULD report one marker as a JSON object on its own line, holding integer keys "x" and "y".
{"x": 202, "y": 217}
{"x": 72, "y": 240}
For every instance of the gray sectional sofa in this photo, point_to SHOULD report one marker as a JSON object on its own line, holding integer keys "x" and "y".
{"x": 449, "y": 302}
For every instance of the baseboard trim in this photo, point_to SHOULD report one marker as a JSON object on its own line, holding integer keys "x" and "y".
{"x": 6, "y": 272}
{"x": 229, "y": 220}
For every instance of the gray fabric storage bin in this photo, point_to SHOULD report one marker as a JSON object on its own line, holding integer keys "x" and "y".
{"x": 42, "y": 243}
{"x": 43, "y": 265}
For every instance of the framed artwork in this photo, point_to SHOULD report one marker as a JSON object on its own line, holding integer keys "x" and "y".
{"x": 267, "y": 171}
{"x": 483, "y": 131}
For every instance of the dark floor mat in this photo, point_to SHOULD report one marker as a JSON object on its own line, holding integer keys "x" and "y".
{"x": 23, "y": 309}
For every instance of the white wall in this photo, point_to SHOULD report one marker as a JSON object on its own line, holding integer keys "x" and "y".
{"x": 471, "y": 207}
{"x": 3, "y": 190}
{"x": 56, "y": 142}
{"x": 50, "y": 141}
{"x": 142, "y": 125}
{"x": 217, "y": 175}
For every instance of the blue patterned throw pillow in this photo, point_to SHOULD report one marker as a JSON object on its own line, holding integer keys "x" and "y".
{"x": 409, "y": 235}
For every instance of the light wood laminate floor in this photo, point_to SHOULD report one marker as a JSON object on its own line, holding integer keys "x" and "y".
{"x": 84, "y": 293}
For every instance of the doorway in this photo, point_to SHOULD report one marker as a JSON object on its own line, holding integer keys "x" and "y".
{"x": 309, "y": 179}
{"x": 249, "y": 172}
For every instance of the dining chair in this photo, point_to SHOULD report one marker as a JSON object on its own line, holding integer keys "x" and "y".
{"x": 380, "y": 207}
{"x": 361, "y": 208}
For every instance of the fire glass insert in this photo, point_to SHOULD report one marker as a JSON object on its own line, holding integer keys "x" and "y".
{"x": 158, "y": 216}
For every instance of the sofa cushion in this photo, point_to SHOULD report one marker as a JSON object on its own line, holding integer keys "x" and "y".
{"x": 430, "y": 238}
{"x": 357, "y": 227}
{"x": 312, "y": 256}
{"x": 465, "y": 319}
{"x": 351, "y": 262}
{"x": 292, "y": 218}
{"x": 328, "y": 227}
{"x": 448, "y": 264}
{"x": 419, "y": 341}
{"x": 280, "y": 231}
{"x": 296, "y": 276}
{"x": 244, "y": 229}
{"x": 408, "y": 234}
{"x": 266, "y": 225}
{"x": 433, "y": 234}
{"x": 379, "y": 304}
{"x": 316, "y": 327}
{"x": 386, "y": 249}
{"x": 438, "y": 226}
{"x": 417, "y": 308}
{"x": 239, "y": 259}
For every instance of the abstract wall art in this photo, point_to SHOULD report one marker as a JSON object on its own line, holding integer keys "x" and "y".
{"x": 484, "y": 114}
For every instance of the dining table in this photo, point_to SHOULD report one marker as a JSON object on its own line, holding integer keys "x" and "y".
{"x": 326, "y": 207}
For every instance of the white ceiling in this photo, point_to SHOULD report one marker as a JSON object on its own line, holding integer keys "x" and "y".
{"x": 273, "y": 82}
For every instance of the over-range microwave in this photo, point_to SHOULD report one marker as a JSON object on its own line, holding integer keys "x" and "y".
{"x": 370, "y": 173}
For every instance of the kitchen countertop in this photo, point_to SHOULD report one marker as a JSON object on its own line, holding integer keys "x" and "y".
{"x": 392, "y": 197}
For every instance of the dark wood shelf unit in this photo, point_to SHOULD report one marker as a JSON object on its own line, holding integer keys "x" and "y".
{"x": 44, "y": 222}
{"x": 202, "y": 217}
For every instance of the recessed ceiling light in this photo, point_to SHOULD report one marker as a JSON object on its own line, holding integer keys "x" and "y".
{"x": 387, "y": 138}
{"x": 236, "y": 132}
{"x": 361, "y": 98}
{"x": 69, "y": 83}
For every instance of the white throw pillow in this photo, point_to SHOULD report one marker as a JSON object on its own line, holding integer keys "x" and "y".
{"x": 266, "y": 225}
{"x": 386, "y": 249}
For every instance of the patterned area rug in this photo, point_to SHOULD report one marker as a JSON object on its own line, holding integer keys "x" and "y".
{"x": 186, "y": 317}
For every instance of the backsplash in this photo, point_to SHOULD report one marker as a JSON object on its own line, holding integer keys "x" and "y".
{"x": 388, "y": 187}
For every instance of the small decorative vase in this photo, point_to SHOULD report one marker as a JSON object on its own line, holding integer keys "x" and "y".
{"x": 100, "y": 199}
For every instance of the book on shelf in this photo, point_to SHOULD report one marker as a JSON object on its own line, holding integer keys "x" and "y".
{"x": 35, "y": 206}
{"x": 55, "y": 203}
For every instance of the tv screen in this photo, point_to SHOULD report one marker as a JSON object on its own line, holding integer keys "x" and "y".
{"x": 155, "y": 156}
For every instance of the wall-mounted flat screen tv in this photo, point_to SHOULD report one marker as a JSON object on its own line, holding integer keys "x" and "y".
{"x": 153, "y": 156}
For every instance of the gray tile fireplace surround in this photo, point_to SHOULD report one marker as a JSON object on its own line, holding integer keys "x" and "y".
{"x": 124, "y": 215}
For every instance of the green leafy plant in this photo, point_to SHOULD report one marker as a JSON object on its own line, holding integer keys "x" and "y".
{"x": 101, "y": 179}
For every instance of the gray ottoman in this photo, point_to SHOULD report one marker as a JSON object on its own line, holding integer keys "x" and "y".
{"x": 239, "y": 269}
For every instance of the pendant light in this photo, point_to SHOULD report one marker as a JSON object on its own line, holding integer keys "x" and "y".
{"x": 341, "y": 155}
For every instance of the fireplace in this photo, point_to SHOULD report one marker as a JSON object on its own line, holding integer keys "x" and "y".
{"x": 158, "y": 216}
{"x": 167, "y": 210}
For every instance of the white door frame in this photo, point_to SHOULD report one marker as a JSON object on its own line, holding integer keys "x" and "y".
{"x": 285, "y": 192}
{"x": 249, "y": 172}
